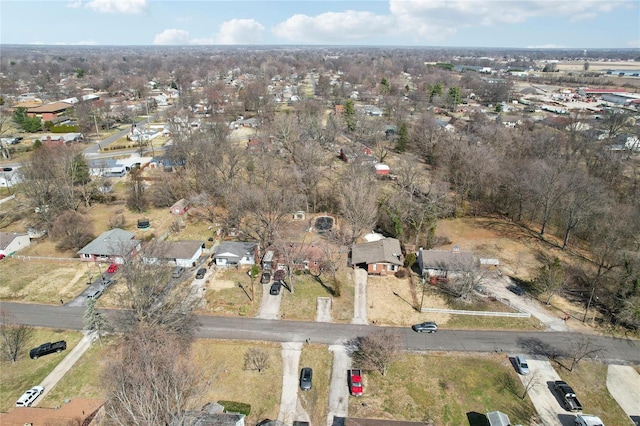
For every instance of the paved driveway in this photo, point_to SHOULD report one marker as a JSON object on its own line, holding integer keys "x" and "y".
{"x": 338, "y": 388}
{"x": 290, "y": 410}
{"x": 360, "y": 297}
{"x": 623, "y": 383}
{"x": 270, "y": 304}
{"x": 497, "y": 286}
{"x": 542, "y": 395}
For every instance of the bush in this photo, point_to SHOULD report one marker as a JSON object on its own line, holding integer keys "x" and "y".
{"x": 401, "y": 273}
{"x": 236, "y": 407}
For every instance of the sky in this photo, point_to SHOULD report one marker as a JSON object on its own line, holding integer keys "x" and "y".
{"x": 424, "y": 23}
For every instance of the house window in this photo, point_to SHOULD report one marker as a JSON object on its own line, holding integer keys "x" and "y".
{"x": 375, "y": 266}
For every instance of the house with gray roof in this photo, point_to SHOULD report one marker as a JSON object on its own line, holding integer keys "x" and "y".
{"x": 115, "y": 246}
{"x": 236, "y": 253}
{"x": 178, "y": 253}
{"x": 11, "y": 242}
{"x": 377, "y": 257}
{"x": 441, "y": 263}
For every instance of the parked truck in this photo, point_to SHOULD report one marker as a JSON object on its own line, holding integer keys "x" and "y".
{"x": 47, "y": 348}
{"x": 355, "y": 382}
{"x": 568, "y": 396}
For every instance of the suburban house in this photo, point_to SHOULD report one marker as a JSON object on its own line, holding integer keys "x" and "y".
{"x": 211, "y": 415}
{"x": 441, "y": 263}
{"x": 353, "y": 421}
{"x": 49, "y": 112}
{"x": 11, "y": 242}
{"x": 361, "y": 155}
{"x": 237, "y": 253}
{"x": 259, "y": 144}
{"x": 377, "y": 257}
{"x": 81, "y": 411}
{"x": 114, "y": 245}
{"x": 178, "y": 253}
{"x": 303, "y": 257}
{"x": 180, "y": 207}
{"x": 382, "y": 169}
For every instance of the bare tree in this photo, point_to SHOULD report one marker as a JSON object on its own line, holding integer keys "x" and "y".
{"x": 149, "y": 378}
{"x": 72, "y": 230}
{"x": 358, "y": 201}
{"x": 530, "y": 382}
{"x": 377, "y": 351}
{"x": 149, "y": 298}
{"x": 581, "y": 348}
{"x": 15, "y": 337}
{"x": 256, "y": 359}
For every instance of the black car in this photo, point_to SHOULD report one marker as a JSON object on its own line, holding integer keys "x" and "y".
{"x": 275, "y": 289}
{"x": 200, "y": 273}
{"x": 516, "y": 290}
{"x": 47, "y": 348}
{"x": 306, "y": 374}
{"x": 425, "y": 327}
{"x": 265, "y": 278}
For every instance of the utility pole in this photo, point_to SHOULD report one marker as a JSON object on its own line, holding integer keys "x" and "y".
{"x": 95, "y": 121}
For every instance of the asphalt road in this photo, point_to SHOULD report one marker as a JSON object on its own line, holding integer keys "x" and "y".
{"x": 612, "y": 350}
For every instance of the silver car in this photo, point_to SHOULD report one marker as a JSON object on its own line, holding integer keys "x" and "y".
{"x": 521, "y": 364}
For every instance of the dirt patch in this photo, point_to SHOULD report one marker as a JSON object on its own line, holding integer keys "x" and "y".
{"x": 391, "y": 302}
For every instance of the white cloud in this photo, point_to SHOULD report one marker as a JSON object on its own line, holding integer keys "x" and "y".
{"x": 333, "y": 27}
{"x": 117, "y": 6}
{"x": 74, "y": 4}
{"x": 434, "y": 18}
{"x": 172, "y": 36}
{"x": 240, "y": 31}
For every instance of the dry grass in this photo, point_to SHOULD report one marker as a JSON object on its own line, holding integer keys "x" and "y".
{"x": 589, "y": 379}
{"x": 43, "y": 281}
{"x": 444, "y": 388}
{"x": 316, "y": 400}
{"x": 221, "y": 365}
{"x": 224, "y": 296}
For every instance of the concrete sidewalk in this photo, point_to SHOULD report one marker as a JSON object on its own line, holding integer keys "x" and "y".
{"x": 65, "y": 365}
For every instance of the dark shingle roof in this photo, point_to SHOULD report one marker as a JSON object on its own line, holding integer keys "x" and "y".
{"x": 449, "y": 260}
{"x": 386, "y": 250}
{"x": 234, "y": 250}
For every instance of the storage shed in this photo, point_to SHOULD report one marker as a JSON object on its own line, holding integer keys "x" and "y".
{"x": 180, "y": 207}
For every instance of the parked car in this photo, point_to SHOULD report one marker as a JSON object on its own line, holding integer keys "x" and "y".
{"x": 47, "y": 348}
{"x": 278, "y": 275}
{"x": 112, "y": 268}
{"x": 177, "y": 272}
{"x": 521, "y": 365}
{"x": 275, "y": 289}
{"x": 95, "y": 294}
{"x": 265, "y": 278}
{"x": 355, "y": 382}
{"x": 106, "y": 282}
{"x": 516, "y": 290}
{"x": 425, "y": 327}
{"x": 568, "y": 396}
{"x": 588, "y": 420}
{"x": 200, "y": 273}
{"x": 29, "y": 396}
{"x": 306, "y": 375}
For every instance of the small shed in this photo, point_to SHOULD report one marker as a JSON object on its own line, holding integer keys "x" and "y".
{"x": 180, "y": 207}
{"x": 382, "y": 169}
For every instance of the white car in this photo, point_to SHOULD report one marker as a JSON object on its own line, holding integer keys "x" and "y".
{"x": 29, "y": 396}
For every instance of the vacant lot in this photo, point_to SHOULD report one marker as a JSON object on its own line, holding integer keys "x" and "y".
{"x": 446, "y": 389}
{"x": 301, "y": 304}
{"x": 15, "y": 378}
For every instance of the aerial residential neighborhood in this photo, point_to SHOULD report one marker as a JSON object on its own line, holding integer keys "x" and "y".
{"x": 311, "y": 236}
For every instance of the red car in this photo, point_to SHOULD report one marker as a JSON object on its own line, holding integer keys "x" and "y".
{"x": 112, "y": 268}
{"x": 355, "y": 382}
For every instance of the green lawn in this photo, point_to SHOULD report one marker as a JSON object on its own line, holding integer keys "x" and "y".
{"x": 15, "y": 378}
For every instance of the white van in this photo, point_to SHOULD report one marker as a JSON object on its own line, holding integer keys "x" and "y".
{"x": 29, "y": 396}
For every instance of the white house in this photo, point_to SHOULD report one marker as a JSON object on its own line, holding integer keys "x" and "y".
{"x": 11, "y": 242}
{"x": 231, "y": 253}
{"x": 178, "y": 253}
